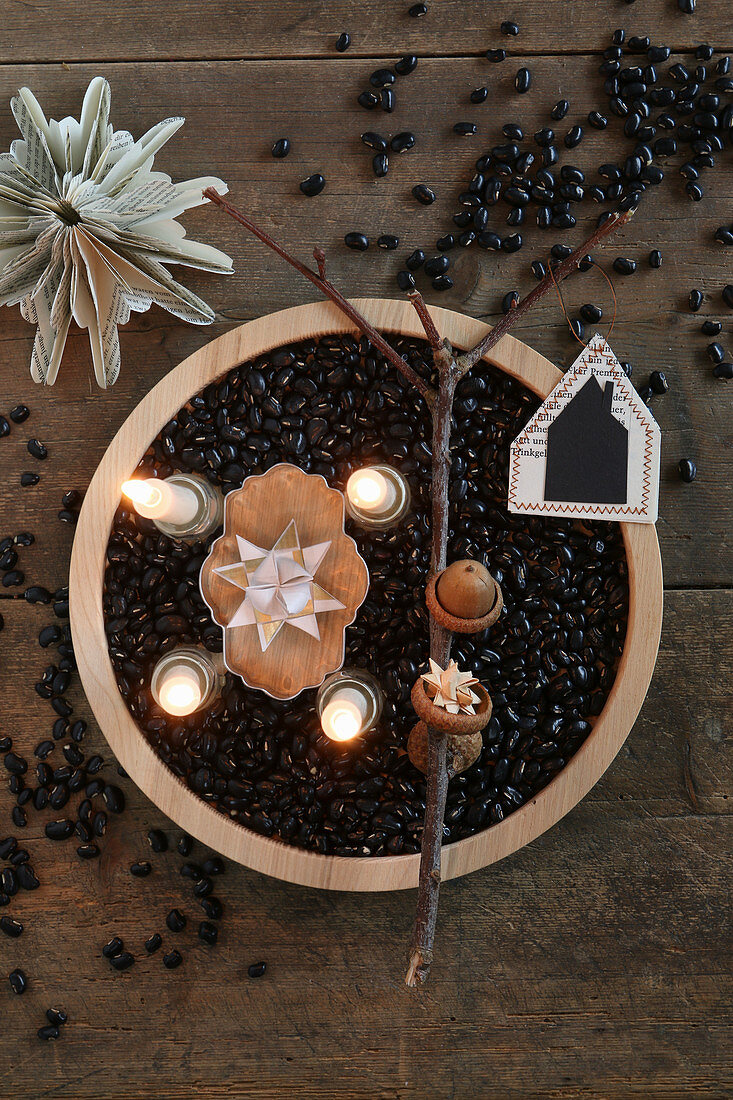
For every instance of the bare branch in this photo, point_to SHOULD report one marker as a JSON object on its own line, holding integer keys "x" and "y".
{"x": 425, "y": 319}
{"x": 320, "y": 257}
{"x": 331, "y": 292}
{"x": 567, "y": 267}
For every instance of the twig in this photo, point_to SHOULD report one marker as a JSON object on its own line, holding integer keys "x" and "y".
{"x": 450, "y": 371}
{"x": 567, "y": 267}
{"x": 331, "y": 292}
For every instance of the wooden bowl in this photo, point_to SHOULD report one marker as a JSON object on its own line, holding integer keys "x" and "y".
{"x": 170, "y": 794}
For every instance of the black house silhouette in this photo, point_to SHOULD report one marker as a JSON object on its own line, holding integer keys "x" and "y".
{"x": 587, "y": 450}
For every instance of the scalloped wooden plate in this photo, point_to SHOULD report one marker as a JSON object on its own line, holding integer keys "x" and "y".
{"x": 271, "y": 856}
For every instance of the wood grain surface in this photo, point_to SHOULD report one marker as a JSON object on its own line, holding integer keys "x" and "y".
{"x": 596, "y": 961}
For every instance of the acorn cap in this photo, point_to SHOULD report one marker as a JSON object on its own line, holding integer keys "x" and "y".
{"x": 462, "y": 751}
{"x": 459, "y": 725}
{"x": 453, "y": 622}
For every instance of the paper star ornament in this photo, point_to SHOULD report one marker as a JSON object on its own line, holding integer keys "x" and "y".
{"x": 87, "y": 229}
{"x": 450, "y": 688}
{"x": 279, "y": 586}
{"x": 284, "y": 581}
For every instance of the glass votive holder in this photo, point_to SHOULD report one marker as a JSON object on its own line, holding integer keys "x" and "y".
{"x": 349, "y": 703}
{"x": 377, "y": 496}
{"x": 186, "y": 679}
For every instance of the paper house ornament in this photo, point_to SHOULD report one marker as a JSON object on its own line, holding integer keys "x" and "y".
{"x": 592, "y": 448}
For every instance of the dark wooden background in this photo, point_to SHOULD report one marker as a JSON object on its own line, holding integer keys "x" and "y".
{"x": 596, "y": 962}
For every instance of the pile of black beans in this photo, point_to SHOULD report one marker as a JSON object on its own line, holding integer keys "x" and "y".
{"x": 330, "y": 406}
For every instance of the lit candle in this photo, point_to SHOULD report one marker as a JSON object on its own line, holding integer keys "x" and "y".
{"x": 349, "y": 703}
{"x": 184, "y": 506}
{"x": 377, "y": 496}
{"x": 184, "y": 680}
{"x": 162, "y": 500}
{"x": 180, "y": 691}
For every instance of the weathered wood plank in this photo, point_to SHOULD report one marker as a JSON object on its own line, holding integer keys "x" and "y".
{"x": 141, "y": 30}
{"x": 596, "y": 959}
{"x": 654, "y": 329}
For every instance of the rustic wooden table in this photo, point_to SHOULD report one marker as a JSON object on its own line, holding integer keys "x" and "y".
{"x": 595, "y": 962}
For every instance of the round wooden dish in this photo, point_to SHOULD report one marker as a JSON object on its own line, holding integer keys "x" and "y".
{"x": 274, "y": 857}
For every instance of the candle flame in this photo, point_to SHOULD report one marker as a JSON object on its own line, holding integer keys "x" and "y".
{"x": 367, "y": 488}
{"x": 142, "y": 492}
{"x": 341, "y": 721}
{"x": 180, "y": 697}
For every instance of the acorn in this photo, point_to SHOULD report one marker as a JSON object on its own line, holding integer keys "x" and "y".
{"x": 462, "y": 751}
{"x": 466, "y": 589}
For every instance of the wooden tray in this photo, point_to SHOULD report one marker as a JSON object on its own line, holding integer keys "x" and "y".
{"x": 271, "y": 856}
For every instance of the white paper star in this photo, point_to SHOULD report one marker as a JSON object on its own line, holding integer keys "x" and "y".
{"x": 279, "y": 586}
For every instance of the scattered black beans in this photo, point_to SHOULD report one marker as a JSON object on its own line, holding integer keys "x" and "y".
{"x": 723, "y": 370}
{"x": 343, "y": 42}
{"x": 415, "y": 260}
{"x": 716, "y": 352}
{"x": 153, "y": 943}
{"x": 509, "y": 27}
{"x": 479, "y": 95}
{"x": 465, "y": 129}
{"x": 655, "y": 258}
{"x": 388, "y": 242}
{"x": 56, "y": 1016}
{"x": 405, "y": 280}
{"x": 387, "y": 100}
{"x": 281, "y": 148}
{"x": 496, "y": 55}
{"x": 712, "y": 328}
{"x": 695, "y": 300}
{"x": 172, "y": 960}
{"x": 20, "y": 414}
{"x": 624, "y": 266}
{"x": 113, "y": 948}
{"x": 687, "y": 470}
{"x": 184, "y": 845}
{"x": 256, "y": 970}
{"x": 59, "y": 830}
{"x": 380, "y": 165}
{"x": 313, "y": 185}
{"x": 403, "y": 141}
{"x": 368, "y": 100}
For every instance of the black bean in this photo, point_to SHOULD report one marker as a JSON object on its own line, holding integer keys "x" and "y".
{"x": 573, "y": 137}
{"x": 358, "y": 241}
{"x": 387, "y": 100}
{"x": 27, "y": 478}
{"x": 140, "y": 870}
{"x": 19, "y": 414}
{"x": 496, "y": 55}
{"x": 728, "y": 295}
{"x": 343, "y": 42}
{"x": 523, "y": 80}
{"x": 208, "y": 932}
{"x": 59, "y": 830}
{"x": 176, "y": 920}
{"x": 153, "y": 943}
{"x": 157, "y": 840}
{"x": 716, "y": 352}
{"x": 695, "y": 300}
{"x": 122, "y": 961}
{"x": 374, "y": 141}
{"x": 114, "y": 799}
{"x": 424, "y": 194}
{"x": 388, "y": 242}
{"x": 658, "y": 381}
{"x": 655, "y": 258}
{"x": 213, "y": 907}
{"x": 87, "y": 851}
{"x": 15, "y": 764}
{"x": 403, "y": 141}
{"x": 368, "y": 100}
{"x": 172, "y": 960}
{"x": 624, "y": 266}
{"x": 415, "y": 260}
{"x": 406, "y": 64}
{"x": 479, "y": 95}
{"x": 18, "y": 981}
{"x": 687, "y": 470}
{"x": 313, "y": 185}
{"x": 10, "y": 927}
{"x": 465, "y": 129}
{"x": 560, "y": 109}
{"x": 280, "y": 148}
{"x": 50, "y": 1031}
{"x": 27, "y": 878}
{"x": 37, "y": 449}
{"x": 56, "y": 1016}
{"x": 256, "y": 970}
{"x": 113, "y": 948}
{"x": 723, "y": 370}
{"x": 405, "y": 280}
{"x": 380, "y": 165}
{"x": 597, "y": 120}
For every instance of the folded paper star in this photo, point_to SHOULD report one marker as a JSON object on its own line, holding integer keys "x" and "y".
{"x": 450, "y": 688}
{"x": 279, "y": 586}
